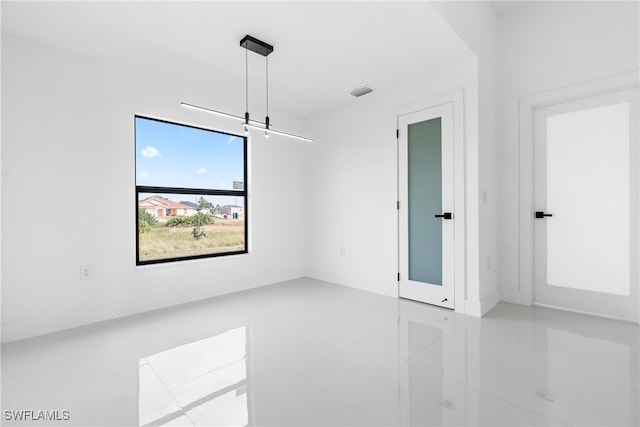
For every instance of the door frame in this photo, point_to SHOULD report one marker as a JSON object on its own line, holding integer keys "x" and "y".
{"x": 456, "y": 97}
{"x": 528, "y": 104}
{"x": 442, "y": 295}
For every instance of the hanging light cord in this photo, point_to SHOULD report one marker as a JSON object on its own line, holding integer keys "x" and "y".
{"x": 266, "y": 120}
{"x": 246, "y": 89}
{"x": 267, "y": 58}
{"x": 246, "y": 79}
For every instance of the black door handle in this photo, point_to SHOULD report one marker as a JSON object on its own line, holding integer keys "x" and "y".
{"x": 446, "y": 215}
{"x": 542, "y": 214}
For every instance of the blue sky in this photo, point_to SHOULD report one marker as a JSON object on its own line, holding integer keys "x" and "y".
{"x": 169, "y": 155}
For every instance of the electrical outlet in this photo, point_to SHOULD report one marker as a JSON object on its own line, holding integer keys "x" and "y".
{"x": 343, "y": 252}
{"x": 85, "y": 272}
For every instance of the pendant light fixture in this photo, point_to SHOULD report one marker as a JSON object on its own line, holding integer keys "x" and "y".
{"x": 250, "y": 43}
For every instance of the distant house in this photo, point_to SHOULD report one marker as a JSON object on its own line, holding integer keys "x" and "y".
{"x": 161, "y": 207}
{"x": 192, "y": 205}
{"x": 230, "y": 211}
{"x": 195, "y": 206}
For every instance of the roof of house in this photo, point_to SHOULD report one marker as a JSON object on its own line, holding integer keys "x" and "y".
{"x": 161, "y": 202}
{"x": 190, "y": 204}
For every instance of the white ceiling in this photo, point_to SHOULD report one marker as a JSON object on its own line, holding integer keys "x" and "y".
{"x": 323, "y": 50}
{"x": 502, "y": 7}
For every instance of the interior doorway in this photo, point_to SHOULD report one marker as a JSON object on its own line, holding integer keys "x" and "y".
{"x": 586, "y": 213}
{"x": 426, "y": 205}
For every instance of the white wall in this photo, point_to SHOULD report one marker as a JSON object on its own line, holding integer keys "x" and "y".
{"x": 68, "y": 192}
{"x": 475, "y": 23}
{"x": 67, "y": 144}
{"x": 353, "y": 172}
{"x": 352, "y": 188}
{"x": 545, "y": 46}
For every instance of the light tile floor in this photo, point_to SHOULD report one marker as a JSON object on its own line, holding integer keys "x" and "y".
{"x": 311, "y": 353}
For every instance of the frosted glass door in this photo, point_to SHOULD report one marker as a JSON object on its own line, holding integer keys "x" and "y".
{"x": 586, "y": 219}
{"x": 425, "y": 150}
{"x": 425, "y": 201}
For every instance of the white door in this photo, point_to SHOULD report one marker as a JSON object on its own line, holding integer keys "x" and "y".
{"x": 586, "y": 204}
{"x": 426, "y": 215}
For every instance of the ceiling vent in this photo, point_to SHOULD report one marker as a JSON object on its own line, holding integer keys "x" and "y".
{"x": 361, "y": 91}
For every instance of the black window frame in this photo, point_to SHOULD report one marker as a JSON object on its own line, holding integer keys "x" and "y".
{"x": 191, "y": 191}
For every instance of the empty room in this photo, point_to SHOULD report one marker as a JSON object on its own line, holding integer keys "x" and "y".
{"x": 320, "y": 213}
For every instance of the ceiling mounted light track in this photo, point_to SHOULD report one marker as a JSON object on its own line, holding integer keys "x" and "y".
{"x": 250, "y": 43}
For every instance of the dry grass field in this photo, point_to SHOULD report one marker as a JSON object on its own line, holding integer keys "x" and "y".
{"x": 170, "y": 242}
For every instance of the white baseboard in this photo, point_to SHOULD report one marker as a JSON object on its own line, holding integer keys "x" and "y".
{"x": 587, "y": 313}
{"x": 514, "y": 296}
{"x": 482, "y": 307}
{"x": 489, "y": 301}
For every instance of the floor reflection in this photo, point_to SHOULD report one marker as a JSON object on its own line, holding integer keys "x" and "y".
{"x": 307, "y": 353}
{"x": 582, "y": 369}
{"x": 424, "y": 380}
{"x": 207, "y": 379}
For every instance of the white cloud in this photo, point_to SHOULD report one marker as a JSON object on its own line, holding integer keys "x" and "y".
{"x": 150, "y": 152}
{"x": 222, "y": 185}
{"x": 201, "y": 170}
{"x": 144, "y": 175}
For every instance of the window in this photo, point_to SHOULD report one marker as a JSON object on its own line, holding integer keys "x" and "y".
{"x": 191, "y": 196}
